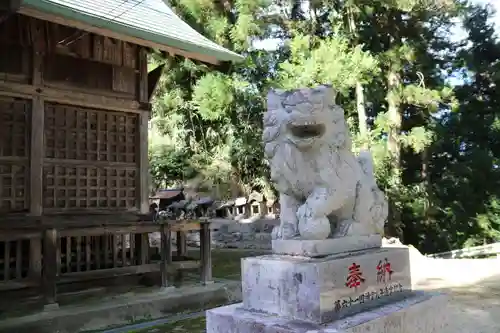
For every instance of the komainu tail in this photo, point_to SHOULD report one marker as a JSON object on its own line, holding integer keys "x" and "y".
{"x": 365, "y": 160}
{"x": 371, "y": 194}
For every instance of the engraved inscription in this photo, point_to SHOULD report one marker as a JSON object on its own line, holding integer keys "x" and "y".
{"x": 368, "y": 296}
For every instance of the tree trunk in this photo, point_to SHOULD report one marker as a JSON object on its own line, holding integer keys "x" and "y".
{"x": 360, "y": 96}
{"x": 360, "y": 106}
{"x": 424, "y": 175}
{"x": 395, "y": 119}
{"x": 394, "y": 146}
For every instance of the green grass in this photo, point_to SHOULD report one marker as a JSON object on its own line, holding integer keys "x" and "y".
{"x": 226, "y": 264}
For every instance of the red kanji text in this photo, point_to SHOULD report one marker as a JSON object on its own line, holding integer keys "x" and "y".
{"x": 384, "y": 271}
{"x": 354, "y": 277}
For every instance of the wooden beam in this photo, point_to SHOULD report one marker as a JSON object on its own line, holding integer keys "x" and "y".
{"x": 84, "y": 224}
{"x": 123, "y": 271}
{"x": 69, "y": 97}
{"x": 10, "y": 235}
{"x": 143, "y": 195}
{"x": 108, "y": 33}
{"x": 108, "y": 230}
{"x": 108, "y": 273}
{"x": 14, "y": 285}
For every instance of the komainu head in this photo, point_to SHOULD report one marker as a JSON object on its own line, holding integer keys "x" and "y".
{"x": 305, "y": 118}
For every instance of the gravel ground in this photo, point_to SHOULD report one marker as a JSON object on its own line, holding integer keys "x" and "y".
{"x": 474, "y": 307}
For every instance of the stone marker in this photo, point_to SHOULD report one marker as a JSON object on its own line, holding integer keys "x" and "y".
{"x": 328, "y": 272}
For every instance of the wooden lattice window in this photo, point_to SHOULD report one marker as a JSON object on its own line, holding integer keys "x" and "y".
{"x": 14, "y": 131}
{"x": 91, "y": 135}
{"x": 13, "y": 185}
{"x": 91, "y": 159}
{"x": 14, "y": 150}
{"x": 89, "y": 187}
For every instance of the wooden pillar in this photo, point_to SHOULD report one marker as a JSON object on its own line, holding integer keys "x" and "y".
{"x": 143, "y": 132}
{"x": 166, "y": 253}
{"x": 143, "y": 195}
{"x": 37, "y": 154}
{"x": 142, "y": 241}
{"x": 50, "y": 241}
{"x": 36, "y": 157}
{"x": 181, "y": 242}
{"x": 206, "y": 253}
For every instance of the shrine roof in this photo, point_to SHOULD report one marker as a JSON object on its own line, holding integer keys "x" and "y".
{"x": 150, "y": 23}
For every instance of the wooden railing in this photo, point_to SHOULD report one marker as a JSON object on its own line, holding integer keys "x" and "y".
{"x": 20, "y": 260}
{"x": 54, "y": 256}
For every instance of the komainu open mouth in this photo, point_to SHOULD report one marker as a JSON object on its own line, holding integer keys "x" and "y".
{"x": 307, "y": 130}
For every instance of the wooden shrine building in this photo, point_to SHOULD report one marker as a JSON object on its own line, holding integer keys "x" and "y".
{"x": 74, "y": 109}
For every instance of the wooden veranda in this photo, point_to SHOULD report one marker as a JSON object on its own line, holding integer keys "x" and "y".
{"x": 74, "y": 111}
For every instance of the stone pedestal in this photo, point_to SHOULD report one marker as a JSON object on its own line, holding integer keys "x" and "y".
{"x": 419, "y": 313}
{"x": 339, "y": 293}
{"x": 321, "y": 248}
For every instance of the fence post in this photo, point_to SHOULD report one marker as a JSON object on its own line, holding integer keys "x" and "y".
{"x": 166, "y": 253}
{"x": 206, "y": 253}
{"x": 49, "y": 270}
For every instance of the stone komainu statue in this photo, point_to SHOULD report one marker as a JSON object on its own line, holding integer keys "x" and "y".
{"x": 325, "y": 190}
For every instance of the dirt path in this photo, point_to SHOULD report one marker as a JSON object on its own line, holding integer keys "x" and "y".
{"x": 474, "y": 291}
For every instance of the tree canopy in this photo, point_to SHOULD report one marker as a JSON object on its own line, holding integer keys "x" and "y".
{"x": 422, "y": 100}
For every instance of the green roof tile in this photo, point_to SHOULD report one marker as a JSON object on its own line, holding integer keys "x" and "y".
{"x": 151, "y": 20}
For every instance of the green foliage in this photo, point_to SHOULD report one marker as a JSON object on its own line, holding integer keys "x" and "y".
{"x": 314, "y": 61}
{"x": 441, "y": 183}
{"x": 213, "y": 96}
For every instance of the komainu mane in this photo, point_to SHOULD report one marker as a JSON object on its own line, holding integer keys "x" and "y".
{"x": 325, "y": 190}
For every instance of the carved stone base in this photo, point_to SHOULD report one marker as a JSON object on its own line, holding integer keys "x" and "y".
{"x": 320, "y": 248}
{"x": 421, "y": 313}
{"x": 320, "y": 290}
